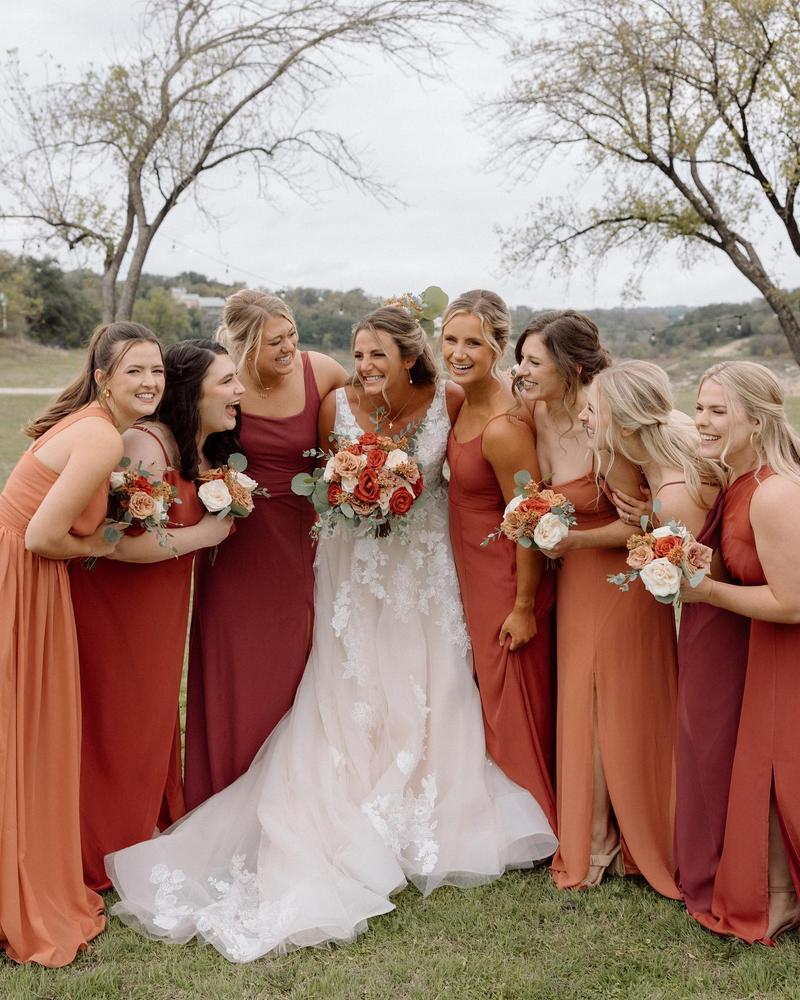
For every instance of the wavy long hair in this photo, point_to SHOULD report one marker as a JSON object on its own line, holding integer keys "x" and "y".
{"x": 753, "y": 391}
{"x": 107, "y": 347}
{"x": 635, "y": 396}
{"x": 186, "y": 365}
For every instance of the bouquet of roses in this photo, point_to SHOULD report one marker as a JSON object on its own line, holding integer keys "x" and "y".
{"x": 370, "y": 480}
{"x": 661, "y": 558}
{"x": 537, "y": 517}
{"x": 226, "y": 490}
{"x": 136, "y": 498}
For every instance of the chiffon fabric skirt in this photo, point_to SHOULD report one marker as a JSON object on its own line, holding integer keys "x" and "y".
{"x": 376, "y": 777}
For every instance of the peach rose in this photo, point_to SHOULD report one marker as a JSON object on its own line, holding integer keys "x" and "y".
{"x": 639, "y": 557}
{"x": 141, "y": 505}
{"x": 696, "y": 557}
{"x": 347, "y": 465}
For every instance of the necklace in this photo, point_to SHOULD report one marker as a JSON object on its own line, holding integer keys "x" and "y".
{"x": 259, "y": 388}
{"x": 381, "y": 414}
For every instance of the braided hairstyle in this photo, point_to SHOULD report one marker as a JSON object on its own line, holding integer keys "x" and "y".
{"x": 186, "y": 364}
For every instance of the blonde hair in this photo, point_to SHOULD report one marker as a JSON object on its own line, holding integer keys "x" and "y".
{"x": 243, "y": 319}
{"x": 494, "y": 317}
{"x": 409, "y": 337}
{"x": 753, "y": 390}
{"x": 636, "y": 396}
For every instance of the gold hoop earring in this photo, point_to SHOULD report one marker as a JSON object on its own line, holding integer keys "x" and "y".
{"x": 106, "y": 392}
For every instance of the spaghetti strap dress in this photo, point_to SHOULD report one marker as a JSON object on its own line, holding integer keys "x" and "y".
{"x": 132, "y": 621}
{"x": 712, "y": 660}
{"x": 47, "y": 914}
{"x": 767, "y": 758}
{"x": 253, "y": 608}
{"x": 516, "y": 689}
{"x": 616, "y": 652}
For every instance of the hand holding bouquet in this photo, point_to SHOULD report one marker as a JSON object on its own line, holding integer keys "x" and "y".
{"x": 227, "y": 491}
{"x": 661, "y": 558}
{"x": 370, "y": 480}
{"x": 136, "y": 498}
{"x": 537, "y": 517}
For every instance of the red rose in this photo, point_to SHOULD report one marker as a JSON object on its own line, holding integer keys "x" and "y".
{"x": 335, "y": 494}
{"x": 417, "y": 486}
{"x": 368, "y": 439}
{"x": 400, "y": 501}
{"x": 355, "y": 449}
{"x": 367, "y": 488}
{"x": 376, "y": 459}
{"x": 663, "y": 546}
{"x": 142, "y": 483}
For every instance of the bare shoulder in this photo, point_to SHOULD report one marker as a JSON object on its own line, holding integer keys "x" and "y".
{"x": 327, "y": 371}
{"x": 454, "y": 399}
{"x": 508, "y": 431}
{"x": 773, "y": 496}
{"x": 145, "y": 445}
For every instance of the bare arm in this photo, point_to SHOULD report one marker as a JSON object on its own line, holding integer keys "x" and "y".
{"x": 508, "y": 447}
{"x": 326, "y": 420}
{"x": 778, "y": 600}
{"x": 329, "y": 374}
{"x": 454, "y": 397}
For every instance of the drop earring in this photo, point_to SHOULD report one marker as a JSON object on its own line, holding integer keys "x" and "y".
{"x": 106, "y": 393}
{"x": 410, "y": 379}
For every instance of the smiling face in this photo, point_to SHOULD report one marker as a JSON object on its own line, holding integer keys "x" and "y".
{"x": 467, "y": 354}
{"x": 537, "y": 373}
{"x": 277, "y": 349}
{"x": 725, "y": 430}
{"x": 136, "y": 384}
{"x": 220, "y": 395}
{"x": 590, "y": 417}
{"x": 379, "y": 366}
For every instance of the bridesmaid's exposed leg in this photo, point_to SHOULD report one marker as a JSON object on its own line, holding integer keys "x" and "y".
{"x": 784, "y": 911}
{"x": 605, "y": 837}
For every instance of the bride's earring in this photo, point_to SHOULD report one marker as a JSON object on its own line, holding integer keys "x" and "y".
{"x": 410, "y": 379}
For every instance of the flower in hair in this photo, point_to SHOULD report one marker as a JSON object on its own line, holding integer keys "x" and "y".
{"x": 424, "y": 308}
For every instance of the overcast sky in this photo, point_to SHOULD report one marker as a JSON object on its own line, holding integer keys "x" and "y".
{"x": 421, "y": 138}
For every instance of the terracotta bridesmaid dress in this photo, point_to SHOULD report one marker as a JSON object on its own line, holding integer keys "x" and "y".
{"x": 46, "y": 912}
{"x": 616, "y": 653}
{"x": 253, "y": 608}
{"x": 516, "y": 688}
{"x": 767, "y": 759}
{"x": 712, "y": 660}
{"x": 132, "y": 622}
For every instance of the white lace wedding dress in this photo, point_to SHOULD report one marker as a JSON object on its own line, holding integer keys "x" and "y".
{"x": 376, "y": 777}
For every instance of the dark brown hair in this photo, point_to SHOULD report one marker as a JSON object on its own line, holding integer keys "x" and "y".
{"x": 573, "y": 342}
{"x": 108, "y": 345}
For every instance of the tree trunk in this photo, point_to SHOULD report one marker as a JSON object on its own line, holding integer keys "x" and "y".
{"x": 131, "y": 285}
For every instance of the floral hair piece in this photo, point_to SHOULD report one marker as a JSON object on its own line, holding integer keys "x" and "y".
{"x": 424, "y": 308}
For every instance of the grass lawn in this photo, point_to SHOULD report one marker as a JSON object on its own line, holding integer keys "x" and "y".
{"x": 25, "y": 363}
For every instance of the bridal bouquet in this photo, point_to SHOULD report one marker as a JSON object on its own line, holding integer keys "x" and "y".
{"x": 537, "y": 517}
{"x": 661, "y": 558}
{"x": 226, "y": 490}
{"x": 135, "y": 497}
{"x": 370, "y": 480}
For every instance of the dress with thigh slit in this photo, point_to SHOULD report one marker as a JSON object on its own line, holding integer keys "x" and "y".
{"x": 767, "y": 755}
{"x": 616, "y": 655}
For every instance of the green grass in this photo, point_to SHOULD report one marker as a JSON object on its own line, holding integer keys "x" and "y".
{"x": 24, "y": 363}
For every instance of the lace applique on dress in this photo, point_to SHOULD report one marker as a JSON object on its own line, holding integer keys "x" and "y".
{"x": 167, "y": 913}
{"x": 406, "y": 820}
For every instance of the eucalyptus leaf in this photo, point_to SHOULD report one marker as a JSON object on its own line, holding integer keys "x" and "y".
{"x": 124, "y": 462}
{"x": 224, "y": 512}
{"x": 319, "y": 497}
{"x": 656, "y": 505}
{"x": 112, "y": 535}
{"x": 237, "y": 462}
{"x": 670, "y": 599}
{"x": 434, "y": 302}
{"x": 697, "y": 579}
{"x": 644, "y": 520}
{"x": 427, "y": 326}
{"x": 303, "y": 484}
{"x": 522, "y": 478}
{"x": 526, "y": 543}
{"x": 347, "y": 510}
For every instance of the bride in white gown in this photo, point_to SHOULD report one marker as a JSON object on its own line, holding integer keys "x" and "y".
{"x": 378, "y": 775}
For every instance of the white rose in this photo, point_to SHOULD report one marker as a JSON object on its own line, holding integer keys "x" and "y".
{"x": 117, "y": 480}
{"x": 215, "y": 495}
{"x": 512, "y": 504}
{"x": 661, "y": 578}
{"x": 327, "y": 475}
{"x": 550, "y": 531}
{"x": 395, "y": 458}
{"x": 246, "y": 481}
{"x": 161, "y": 510}
{"x": 665, "y": 532}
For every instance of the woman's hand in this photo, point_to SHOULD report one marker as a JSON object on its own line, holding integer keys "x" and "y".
{"x": 632, "y": 509}
{"x": 570, "y": 542}
{"x": 519, "y": 627}
{"x": 214, "y": 530}
{"x": 699, "y": 594}
{"x": 97, "y": 542}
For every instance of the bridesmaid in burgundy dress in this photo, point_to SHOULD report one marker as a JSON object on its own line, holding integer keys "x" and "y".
{"x": 632, "y": 413}
{"x": 507, "y": 595}
{"x": 253, "y": 605}
{"x": 139, "y": 601}
{"x": 741, "y": 419}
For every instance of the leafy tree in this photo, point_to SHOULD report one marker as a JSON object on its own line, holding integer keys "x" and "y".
{"x": 101, "y": 162}
{"x": 163, "y": 315}
{"x": 688, "y": 111}
{"x": 60, "y": 314}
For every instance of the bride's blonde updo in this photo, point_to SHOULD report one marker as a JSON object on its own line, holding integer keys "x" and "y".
{"x": 243, "y": 319}
{"x": 409, "y": 337}
{"x": 636, "y": 397}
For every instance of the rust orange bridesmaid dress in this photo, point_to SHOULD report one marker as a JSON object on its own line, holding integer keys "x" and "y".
{"x": 615, "y": 652}
{"x": 132, "y": 621}
{"x": 516, "y": 688}
{"x": 46, "y": 912}
{"x": 767, "y": 759}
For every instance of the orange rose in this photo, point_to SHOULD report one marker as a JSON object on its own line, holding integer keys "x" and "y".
{"x": 417, "y": 486}
{"x": 368, "y": 488}
{"x": 376, "y": 459}
{"x": 535, "y": 505}
{"x": 368, "y": 439}
{"x": 663, "y": 546}
{"x": 400, "y": 501}
{"x": 335, "y": 494}
{"x": 142, "y": 485}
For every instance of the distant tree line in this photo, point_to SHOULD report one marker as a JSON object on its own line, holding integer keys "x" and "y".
{"x": 60, "y": 308}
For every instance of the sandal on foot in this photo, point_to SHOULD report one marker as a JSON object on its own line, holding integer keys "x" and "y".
{"x": 604, "y": 863}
